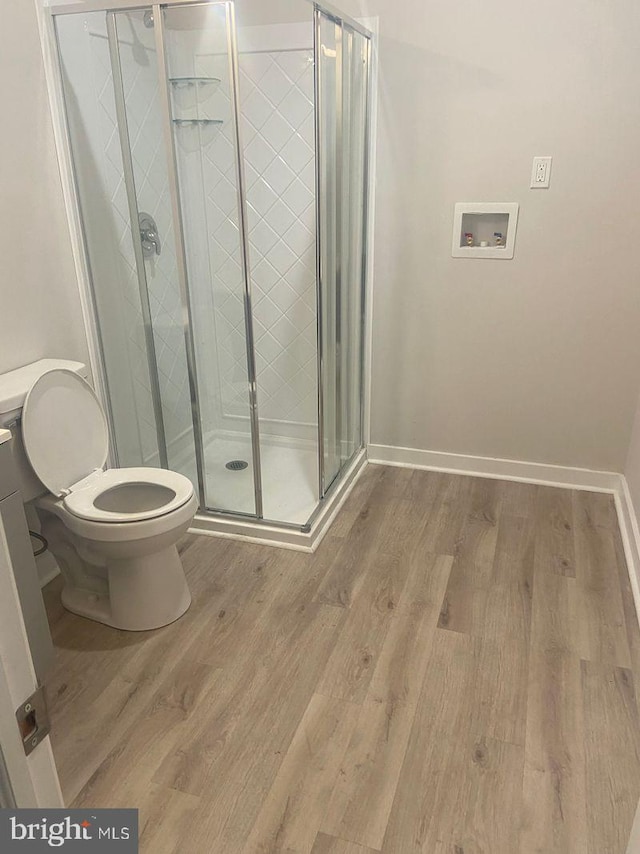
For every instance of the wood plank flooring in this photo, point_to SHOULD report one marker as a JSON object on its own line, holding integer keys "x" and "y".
{"x": 455, "y": 671}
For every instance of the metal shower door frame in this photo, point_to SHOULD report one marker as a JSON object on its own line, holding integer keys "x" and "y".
{"x": 234, "y": 78}
{"x": 343, "y": 23}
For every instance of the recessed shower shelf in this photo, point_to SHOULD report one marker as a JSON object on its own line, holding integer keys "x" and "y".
{"x": 192, "y": 81}
{"x": 182, "y": 123}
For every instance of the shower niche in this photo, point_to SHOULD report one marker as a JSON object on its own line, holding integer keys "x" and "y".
{"x": 484, "y": 229}
{"x": 232, "y": 352}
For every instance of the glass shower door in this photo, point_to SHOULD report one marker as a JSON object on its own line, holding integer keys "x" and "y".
{"x": 199, "y": 63}
{"x": 119, "y": 293}
{"x": 158, "y": 117}
{"x": 342, "y": 56}
{"x": 146, "y": 188}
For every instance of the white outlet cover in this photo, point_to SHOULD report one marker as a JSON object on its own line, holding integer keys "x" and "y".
{"x": 541, "y": 172}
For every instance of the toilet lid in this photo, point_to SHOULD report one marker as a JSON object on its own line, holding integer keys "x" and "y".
{"x": 64, "y": 430}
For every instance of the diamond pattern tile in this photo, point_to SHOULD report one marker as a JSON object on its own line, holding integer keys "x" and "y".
{"x": 276, "y": 94}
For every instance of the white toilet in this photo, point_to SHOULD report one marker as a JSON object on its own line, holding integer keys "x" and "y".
{"x": 113, "y": 532}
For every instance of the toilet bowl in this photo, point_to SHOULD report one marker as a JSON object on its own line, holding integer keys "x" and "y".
{"x": 113, "y": 532}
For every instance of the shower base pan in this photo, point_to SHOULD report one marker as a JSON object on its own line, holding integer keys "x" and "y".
{"x": 254, "y": 531}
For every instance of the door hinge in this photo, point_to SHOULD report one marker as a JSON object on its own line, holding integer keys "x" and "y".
{"x": 33, "y": 720}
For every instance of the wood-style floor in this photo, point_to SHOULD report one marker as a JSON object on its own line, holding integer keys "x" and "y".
{"x": 455, "y": 671}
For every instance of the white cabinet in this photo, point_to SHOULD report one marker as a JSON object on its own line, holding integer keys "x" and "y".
{"x": 16, "y": 533}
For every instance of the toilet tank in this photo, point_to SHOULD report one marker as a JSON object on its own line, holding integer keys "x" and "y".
{"x": 14, "y": 386}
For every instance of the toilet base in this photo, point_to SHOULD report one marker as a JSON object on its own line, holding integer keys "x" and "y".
{"x": 143, "y": 594}
{"x": 139, "y": 592}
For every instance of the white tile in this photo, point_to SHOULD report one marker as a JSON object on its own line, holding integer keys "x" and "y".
{"x": 220, "y": 152}
{"x": 297, "y": 196}
{"x": 254, "y": 65}
{"x": 302, "y": 277}
{"x": 283, "y": 331}
{"x": 228, "y": 236}
{"x": 285, "y": 365}
{"x": 297, "y": 154}
{"x": 307, "y": 130}
{"x": 250, "y": 175}
{"x": 305, "y": 82}
{"x": 295, "y": 62}
{"x": 215, "y": 217}
{"x": 295, "y": 108}
{"x": 308, "y": 174}
{"x": 225, "y": 197}
{"x": 269, "y": 346}
{"x": 261, "y": 363}
{"x": 301, "y": 315}
{"x": 267, "y": 312}
{"x": 264, "y": 275}
{"x": 233, "y": 311}
{"x": 259, "y": 330}
{"x": 230, "y": 273}
{"x": 257, "y": 108}
{"x": 278, "y": 175}
{"x": 262, "y": 197}
{"x": 113, "y": 151}
{"x": 277, "y": 131}
{"x": 247, "y": 131}
{"x": 281, "y": 257}
{"x": 157, "y": 172}
{"x": 283, "y": 295}
{"x": 253, "y": 217}
{"x": 308, "y": 257}
{"x": 246, "y": 83}
{"x": 281, "y": 217}
{"x": 275, "y": 84}
{"x": 259, "y": 153}
{"x": 299, "y": 239}
{"x": 307, "y": 353}
{"x": 263, "y": 237}
{"x": 269, "y": 381}
{"x": 308, "y": 217}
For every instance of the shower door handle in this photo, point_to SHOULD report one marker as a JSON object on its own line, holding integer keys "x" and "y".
{"x": 149, "y": 235}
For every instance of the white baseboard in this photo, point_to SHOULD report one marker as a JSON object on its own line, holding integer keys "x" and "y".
{"x": 564, "y": 477}
{"x": 630, "y": 533}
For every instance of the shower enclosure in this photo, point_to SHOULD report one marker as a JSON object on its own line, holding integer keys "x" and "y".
{"x": 220, "y": 162}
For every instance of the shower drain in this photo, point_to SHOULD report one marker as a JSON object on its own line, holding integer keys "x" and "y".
{"x": 237, "y": 465}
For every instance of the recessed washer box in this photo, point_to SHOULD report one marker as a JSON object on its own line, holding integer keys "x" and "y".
{"x": 490, "y": 223}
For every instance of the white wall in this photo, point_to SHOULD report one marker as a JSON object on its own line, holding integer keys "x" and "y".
{"x": 537, "y": 358}
{"x": 39, "y": 304}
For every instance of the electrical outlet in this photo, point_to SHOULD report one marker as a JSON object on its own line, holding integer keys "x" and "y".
{"x": 541, "y": 173}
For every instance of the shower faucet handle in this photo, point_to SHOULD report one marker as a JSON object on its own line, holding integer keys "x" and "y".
{"x": 149, "y": 235}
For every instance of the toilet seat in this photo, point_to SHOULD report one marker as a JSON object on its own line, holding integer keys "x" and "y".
{"x": 128, "y": 495}
{"x": 64, "y": 430}
{"x": 66, "y": 439}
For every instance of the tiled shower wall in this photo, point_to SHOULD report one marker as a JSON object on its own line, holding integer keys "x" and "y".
{"x": 278, "y": 137}
{"x": 277, "y": 127}
{"x": 276, "y": 92}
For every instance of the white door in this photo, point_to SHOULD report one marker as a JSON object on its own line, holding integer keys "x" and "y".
{"x": 25, "y": 781}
